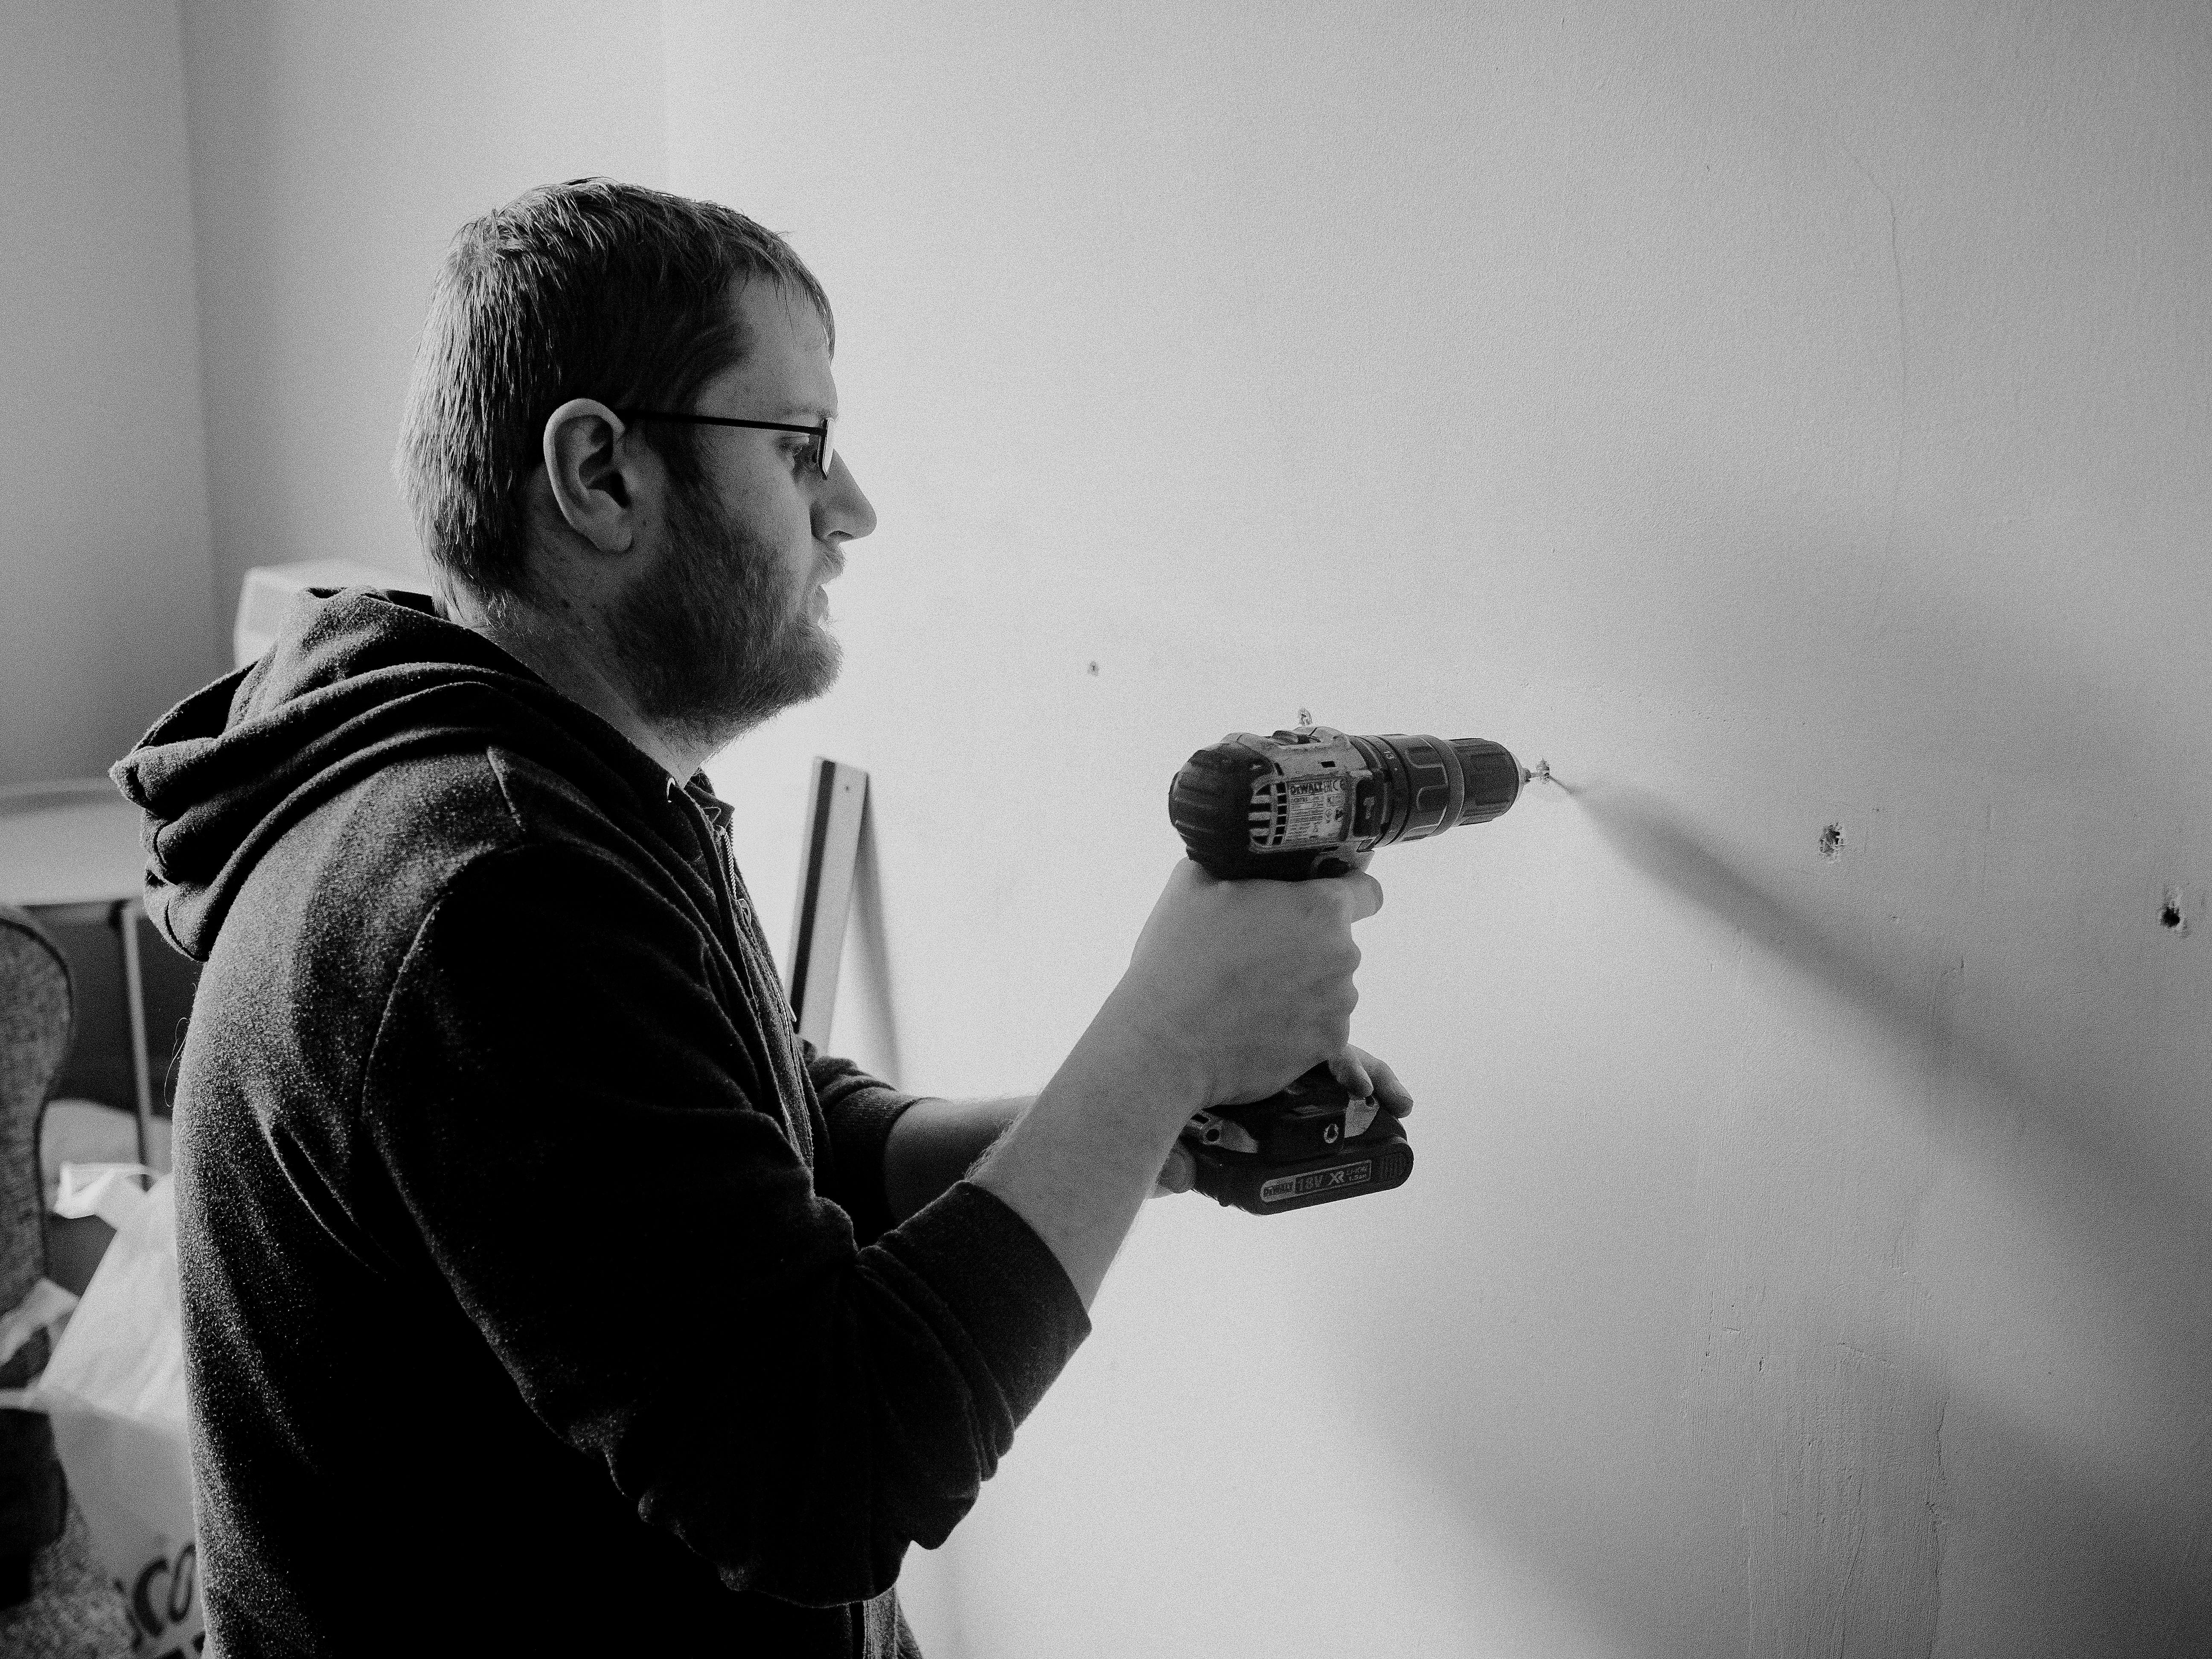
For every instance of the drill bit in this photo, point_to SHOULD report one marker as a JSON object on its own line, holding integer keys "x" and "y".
{"x": 1539, "y": 773}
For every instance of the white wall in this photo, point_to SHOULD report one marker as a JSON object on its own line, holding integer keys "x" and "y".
{"x": 107, "y": 613}
{"x": 1776, "y": 417}
{"x": 335, "y": 149}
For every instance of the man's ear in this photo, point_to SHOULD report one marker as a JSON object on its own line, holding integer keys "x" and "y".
{"x": 594, "y": 467}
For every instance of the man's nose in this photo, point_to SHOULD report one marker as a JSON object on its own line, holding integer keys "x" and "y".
{"x": 846, "y": 512}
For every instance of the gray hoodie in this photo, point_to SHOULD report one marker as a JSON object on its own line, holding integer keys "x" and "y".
{"x": 540, "y": 1293}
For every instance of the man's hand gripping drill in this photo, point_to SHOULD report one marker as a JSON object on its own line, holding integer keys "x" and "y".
{"x": 1248, "y": 984}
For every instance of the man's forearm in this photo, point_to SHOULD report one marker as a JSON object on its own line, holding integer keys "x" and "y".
{"x": 935, "y": 1142}
{"x": 1080, "y": 1162}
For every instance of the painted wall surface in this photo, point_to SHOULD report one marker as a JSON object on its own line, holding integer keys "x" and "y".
{"x": 107, "y": 617}
{"x": 335, "y": 149}
{"x": 1778, "y": 419}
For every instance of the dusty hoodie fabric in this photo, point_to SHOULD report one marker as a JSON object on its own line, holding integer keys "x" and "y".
{"x": 539, "y": 1290}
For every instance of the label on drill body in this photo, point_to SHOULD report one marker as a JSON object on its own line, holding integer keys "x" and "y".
{"x": 1288, "y": 1187}
{"x": 1312, "y": 811}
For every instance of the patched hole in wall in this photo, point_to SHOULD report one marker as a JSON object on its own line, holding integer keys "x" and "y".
{"x": 1832, "y": 841}
{"x": 1094, "y": 668}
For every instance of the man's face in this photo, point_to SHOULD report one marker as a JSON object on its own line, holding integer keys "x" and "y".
{"x": 728, "y": 626}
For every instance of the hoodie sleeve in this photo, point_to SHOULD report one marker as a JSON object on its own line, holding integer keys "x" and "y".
{"x": 561, "y": 1104}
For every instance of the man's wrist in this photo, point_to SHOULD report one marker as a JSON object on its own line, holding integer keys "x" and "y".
{"x": 1129, "y": 1043}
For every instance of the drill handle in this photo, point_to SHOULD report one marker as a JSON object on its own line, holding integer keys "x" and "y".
{"x": 1279, "y": 867}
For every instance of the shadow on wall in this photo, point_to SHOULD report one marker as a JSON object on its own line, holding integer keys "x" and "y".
{"x": 1879, "y": 1496}
{"x": 1651, "y": 840}
{"x": 2112, "y": 1574}
{"x": 2121, "y": 1559}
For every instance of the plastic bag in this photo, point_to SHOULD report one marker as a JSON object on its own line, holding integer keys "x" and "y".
{"x": 115, "y": 1393}
{"x": 45, "y": 1307}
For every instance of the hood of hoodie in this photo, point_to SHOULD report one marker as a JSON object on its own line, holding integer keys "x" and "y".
{"x": 358, "y": 678}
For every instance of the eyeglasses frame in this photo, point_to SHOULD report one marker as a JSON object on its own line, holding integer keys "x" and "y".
{"x": 824, "y": 436}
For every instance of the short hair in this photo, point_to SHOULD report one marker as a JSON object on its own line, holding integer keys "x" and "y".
{"x": 590, "y": 288}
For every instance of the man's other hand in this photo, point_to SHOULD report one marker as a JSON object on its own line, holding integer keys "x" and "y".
{"x": 1355, "y": 1068}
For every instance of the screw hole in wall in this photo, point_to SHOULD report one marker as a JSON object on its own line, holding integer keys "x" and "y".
{"x": 2169, "y": 915}
{"x": 1832, "y": 841}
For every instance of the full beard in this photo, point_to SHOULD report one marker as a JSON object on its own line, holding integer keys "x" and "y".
{"x": 711, "y": 643}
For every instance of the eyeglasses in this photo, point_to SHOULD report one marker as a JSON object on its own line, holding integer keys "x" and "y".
{"x": 824, "y": 436}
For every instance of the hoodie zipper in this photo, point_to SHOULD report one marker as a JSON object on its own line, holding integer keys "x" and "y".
{"x": 748, "y": 955}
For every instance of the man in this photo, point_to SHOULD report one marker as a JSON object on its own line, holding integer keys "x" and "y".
{"x": 543, "y": 1291}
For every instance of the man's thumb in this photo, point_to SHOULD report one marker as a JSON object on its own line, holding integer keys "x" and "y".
{"x": 1178, "y": 1174}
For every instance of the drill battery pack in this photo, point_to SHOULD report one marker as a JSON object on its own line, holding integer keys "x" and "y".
{"x": 1312, "y": 1144}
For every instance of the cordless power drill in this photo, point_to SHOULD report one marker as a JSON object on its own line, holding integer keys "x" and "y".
{"x": 1293, "y": 806}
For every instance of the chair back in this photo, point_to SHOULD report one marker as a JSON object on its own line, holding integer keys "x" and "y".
{"x": 34, "y": 1039}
